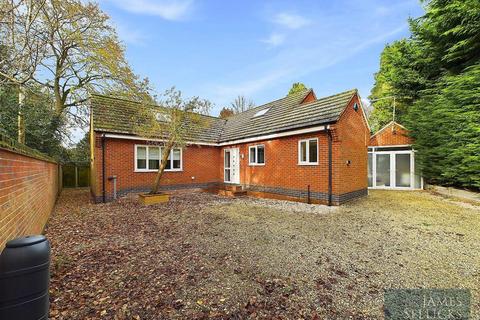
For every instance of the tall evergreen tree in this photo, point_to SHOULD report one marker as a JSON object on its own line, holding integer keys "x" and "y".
{"x": 445, "y": 125}
{"x": 435, "y": 75}
{"x": 400, "y": 76}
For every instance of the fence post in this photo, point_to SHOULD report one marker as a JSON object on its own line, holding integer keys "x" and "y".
{"x": 76, "y": 176}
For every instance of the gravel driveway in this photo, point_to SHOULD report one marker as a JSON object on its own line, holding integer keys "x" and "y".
{"x": 203, "y": 256}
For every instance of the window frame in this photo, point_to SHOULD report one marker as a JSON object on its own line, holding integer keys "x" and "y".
{"x": 147, "y": 169}
{"x": 255, "y": 147}
{"x": 307, "y": 152}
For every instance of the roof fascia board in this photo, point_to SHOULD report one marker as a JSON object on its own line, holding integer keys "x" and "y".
{"x": 363, "y": 112}
{"x": 354, "y": 94}
{"x": 391, "y": 123}
{"x": 274, "y": 135}
{"x": 392, "y": 146}
{"x": 226, "y": 143}
{"x": 127, "y": 137}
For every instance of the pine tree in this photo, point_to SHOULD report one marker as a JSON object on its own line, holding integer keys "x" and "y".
{"x": 435, "y": 75}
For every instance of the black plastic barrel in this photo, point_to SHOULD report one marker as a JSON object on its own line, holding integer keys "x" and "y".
{"x": 24, "y": 279}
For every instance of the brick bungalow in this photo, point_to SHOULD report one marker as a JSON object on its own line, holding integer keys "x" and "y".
{"x": 298, "y": 148}
{"x": 391, "y": 160}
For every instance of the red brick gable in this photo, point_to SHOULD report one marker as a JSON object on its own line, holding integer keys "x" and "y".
{"x": 392, "y": 134}
{"x": 310, "y": 97}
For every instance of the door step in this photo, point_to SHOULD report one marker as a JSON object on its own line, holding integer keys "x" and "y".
{"x": 232, "y": 187}
{"x": 228, "y": 190}
{"x": 229, "y": 193}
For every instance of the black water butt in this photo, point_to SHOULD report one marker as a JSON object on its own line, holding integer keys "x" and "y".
{"x": 24, "y": 279}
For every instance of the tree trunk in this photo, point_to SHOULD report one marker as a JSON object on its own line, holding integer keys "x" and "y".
{"x": 21, "y": 118}
{"x": 58, "y": 96}
{"x": 165, "y": 153}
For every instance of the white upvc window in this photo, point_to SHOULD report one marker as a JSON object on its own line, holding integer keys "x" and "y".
{"x": 147, "y": 159}
{"x": 308, "y": 152}
{"x": 256, "y": 155}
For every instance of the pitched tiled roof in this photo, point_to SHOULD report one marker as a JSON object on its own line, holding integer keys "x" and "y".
{"x": 286, "y": 114}
{"x": 115, "y": 115}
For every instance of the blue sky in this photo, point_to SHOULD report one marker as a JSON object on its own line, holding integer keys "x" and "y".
{"x": 220, "y": 49}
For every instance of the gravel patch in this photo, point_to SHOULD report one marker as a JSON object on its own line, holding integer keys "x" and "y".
{"x": 203, "y": 256}
{"x": 286, "y": 206}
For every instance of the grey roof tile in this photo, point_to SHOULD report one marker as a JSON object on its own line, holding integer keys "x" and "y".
{"x": 286, "y": 114}
{"x": 115, "y": 115}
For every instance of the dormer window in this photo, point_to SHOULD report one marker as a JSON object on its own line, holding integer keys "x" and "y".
{"x": 163, "y": 117}
{"x": 260, "y": 113}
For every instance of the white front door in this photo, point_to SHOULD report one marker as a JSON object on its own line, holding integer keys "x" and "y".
{"x": 231, "y": 162}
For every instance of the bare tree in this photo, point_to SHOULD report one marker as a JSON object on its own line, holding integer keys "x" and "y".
{"x": 174, "y": 121}
{"x": 240, "y": 104}
{"x": 22, "y": 48}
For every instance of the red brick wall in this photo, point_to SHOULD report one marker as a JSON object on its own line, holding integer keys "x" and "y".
{"x": 28, "y": 191}
{"x": 200, "y": 162}
{"x": 281, "y": 167}
{"x": 391, "y": 135}
{"x": 351, "y": 137}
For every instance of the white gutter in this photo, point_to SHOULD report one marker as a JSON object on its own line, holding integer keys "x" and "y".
{"x": 391, "y": 146}
{"x": 274, "y": 135}
{"x": 127, "y": 137}
{"x": 238, "y": 141}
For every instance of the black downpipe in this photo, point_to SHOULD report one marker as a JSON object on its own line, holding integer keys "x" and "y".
{"x": 308, "y": 195}
{"x": 330, "y": 174}
{"x": 103, "y": 168}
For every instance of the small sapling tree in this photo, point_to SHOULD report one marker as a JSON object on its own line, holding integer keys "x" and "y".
{"x": 173, "y": 122}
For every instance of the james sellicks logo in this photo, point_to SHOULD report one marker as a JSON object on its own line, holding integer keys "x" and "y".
{"x": 427, "y": 304}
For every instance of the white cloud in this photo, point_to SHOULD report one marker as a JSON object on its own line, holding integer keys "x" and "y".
{"x": 291, "y": 21}
{"x": 294, "y": 62}
{"x": 166, "y": 9}
{"x": 275, "y": 39}
{"x": 130, "y": 35}
{"x": 225, "y": 93}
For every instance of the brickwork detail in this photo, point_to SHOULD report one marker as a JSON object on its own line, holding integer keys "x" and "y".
{"x": 281, "y": 171}
{"x": 392, "y": 134}
{"x": 28, "y": 191}
{"x": 302, "y": 195}
{"x": 200, "y": 166}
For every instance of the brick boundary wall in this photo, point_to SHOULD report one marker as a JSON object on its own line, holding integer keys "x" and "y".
{"x": 29, "y": 186}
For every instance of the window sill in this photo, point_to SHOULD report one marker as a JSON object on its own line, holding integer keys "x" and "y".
{"x": 308, "y": 164}
{"x": 256, "y": 164}
{"x": 155, "y": 170}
